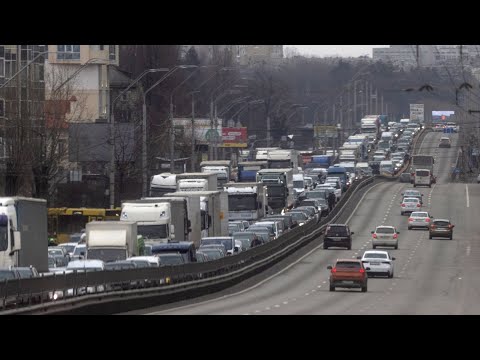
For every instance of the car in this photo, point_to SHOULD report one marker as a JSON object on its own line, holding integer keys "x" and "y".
{"x": 299, "y": 216}
{"x": 440, "y": 228}
{"x": 170, "y": 259}
{"x": 385, "y": 236}
{"x": 412, "y": 193}
{"x": 405, "y": 177}
{"x": 152, "y": 261}
{"x": 438, "y": 128}
{"x": 409, "y": 204}
{"x": 419, "y": 219}
{"x": 211, "y": 252}
{"x": 227, "y": 241}
{"x": 379, "y": 262}
{"x": 445, "y": 142}
{"x": 338, "y": 235}
{"x": 348, "y": 273}
{"x": 69, "y": 247}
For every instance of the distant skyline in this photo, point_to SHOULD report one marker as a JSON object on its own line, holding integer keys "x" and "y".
{"x": 335, "y": 50}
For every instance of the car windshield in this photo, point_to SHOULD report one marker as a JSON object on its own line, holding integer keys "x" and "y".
{"x": 337, "y": 230}
{"x": 375, "y": 256}
{"x": 422, "y": 173}
{"x": 79, "y": 250}
{"x": 348, "y": 265}
{"x": 410, "y": 200}
{"x": 441, "y": 223}
{"x": 385, "y": 231}
{"x": 226, "y": 242}
{"x": 298, "y": 216}
{"x": 170, "y": 259}
{"x": 298, "y": 184}
{"x": 119, "y": 266}
{"x": 316, "y": 194}
{"x": 6, "y": 275}
{"x": 69, "y": 248}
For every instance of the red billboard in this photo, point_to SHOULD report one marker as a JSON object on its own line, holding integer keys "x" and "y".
{"x": 234, "y": 137}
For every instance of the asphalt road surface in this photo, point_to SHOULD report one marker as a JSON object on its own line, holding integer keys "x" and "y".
{"x": 437, "y": 276}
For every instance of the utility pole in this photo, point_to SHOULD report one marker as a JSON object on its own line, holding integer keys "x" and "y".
{"x": 193, "y": 157}
{"x": 381, "y": 104}
{"x": 367, "y": 100}
{"x": 268, "y": 130}
{"x": 354, "y": 122}
{"x": 341, "y": 110}
{"x": 333, "y": 114}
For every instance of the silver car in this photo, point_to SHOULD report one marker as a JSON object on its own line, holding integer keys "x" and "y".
{"x": 379, "y": 262}
{"x": 385, "y": 236}
{"x": 419, "y": 219}
{"x": 409, "y": 205}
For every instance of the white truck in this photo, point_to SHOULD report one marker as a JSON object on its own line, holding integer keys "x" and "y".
{"x": 298, "y": 184}
{"x": 111, "y": 240}
{"x": 370, "y": 124}
{"x": 213, "y": 210}
{"x": 158, "y": 219}
{"x": 197, "y": 181}
{"x": 262, "y": 153}
{"x": 223, "y": 168}
{"x": 246, "y": 201}
{"x": 23, "y": 233}
{"x": 283, "y": 159}
{"x": 162, "y": 183}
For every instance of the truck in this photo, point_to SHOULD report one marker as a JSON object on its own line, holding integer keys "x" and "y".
{"x": 23, "y": 233}
{"x": 284, "y": 159}
{"x": 424, "y": 162}
{"x": 321, "y": 161}
{"x": 111, "y": 241}
{"x": 213, "y": 211}
{"x": 247, "y": 170}
{"x": 163, "y": 183}
{"x": 348, "y": 154}
{"x": 197, "y": 181}
{"x": 298, "y": 184}
{"x": 246, "y": 201}
{"x": 158, "y": 219}
{"x": 223, "y": 168}
{"x": 362, "y": 141}
{"x": 370, "y": 124}
{"x": 262, "y": 153}
{"x": 279, "y": 184}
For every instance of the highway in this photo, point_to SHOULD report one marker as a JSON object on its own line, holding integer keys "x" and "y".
{"x": 431, "y": 276}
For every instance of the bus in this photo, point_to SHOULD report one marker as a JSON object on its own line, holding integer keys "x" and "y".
{"x": 62, "y": 222}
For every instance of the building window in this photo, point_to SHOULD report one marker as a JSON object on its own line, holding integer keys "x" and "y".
{"x": 112, "y": 52}
{"x": 68, "y": 52}
{"x": 2, "y": 107}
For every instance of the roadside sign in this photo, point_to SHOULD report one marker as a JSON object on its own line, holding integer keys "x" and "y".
{"x": 417, "y": 112}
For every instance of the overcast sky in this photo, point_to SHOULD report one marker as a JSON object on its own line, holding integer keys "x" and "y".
{"x": 335, "y": 50}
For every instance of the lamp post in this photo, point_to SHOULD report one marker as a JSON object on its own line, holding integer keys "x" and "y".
{"x": 144, "y": 118}
{"x": 111, "y": 114}
{"x": 172, "y": 132}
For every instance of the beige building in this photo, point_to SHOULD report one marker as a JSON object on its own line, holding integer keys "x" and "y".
{"x": 82, "y": 72}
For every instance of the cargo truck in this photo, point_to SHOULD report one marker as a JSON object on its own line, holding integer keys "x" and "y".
{"x": 246, "y": 201}
{"x": 112, "y": 241}
{"x": 223, "y": 168}
{"x": 279, "y": 184}
{"x": 196, "y": 181}
{"x": 23, "y": 233}
{"x": 247, "y": 170}
{"x": 162, "y": 183}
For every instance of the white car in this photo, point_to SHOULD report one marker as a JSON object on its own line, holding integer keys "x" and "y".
{"x": 379, "y": 262}
{"x": 409, "y": 205}
{"x": 385, "y": 236}
{"x": 419, "y": 219}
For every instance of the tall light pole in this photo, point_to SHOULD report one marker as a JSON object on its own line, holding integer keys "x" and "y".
{"x": 192, "y": 156}
{"x": 111, "y": 114}
{"x": 172, "y": 132}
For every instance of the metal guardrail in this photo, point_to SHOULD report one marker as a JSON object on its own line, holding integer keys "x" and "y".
{"x": 104, "y": 286}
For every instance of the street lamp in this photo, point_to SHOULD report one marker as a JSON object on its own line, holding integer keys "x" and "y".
{"x": 111, "y": 114}
{"x": 144, "y": 117}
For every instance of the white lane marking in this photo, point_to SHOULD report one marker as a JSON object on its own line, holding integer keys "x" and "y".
{"x": 267, "y": 308}
{"x": 324, "y": 282}
{"x": 459, "y": 278}
{"x": 277, "y": 306}
{"x": 468, "y": 250}
{"x": 294, "y": 299}
{"x": 313, "y": 290}
{"x": 257, "y": 311}
{"x": 268, "y": 278}
{"x": 306, "y": 294}
{"x": 246, "y": 314}
{"x": 468, "y": 198}
{"x": 319, "y": 286}
{"x": 285, "y": 303}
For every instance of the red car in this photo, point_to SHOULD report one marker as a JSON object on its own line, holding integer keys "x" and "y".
{"x": 348, "y": 273}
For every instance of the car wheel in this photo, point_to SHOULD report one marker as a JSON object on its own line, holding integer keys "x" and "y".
{"x": 429, "y": 185}
{"x": 349, "y": 247}
{"x": 332, "y": 288}
{"x": 374, "y": 246}
{"x": 430, "y": 237}
{"x": 325, "y": 246}
{"x": 409, "y": 228}
{"x": 401, "y": 213}
{"x": 414, "y": 185}
{"x": 451, "y": 237}
{"x": 364, "y": 288}
{"x": 390, "y": 275}
{"x": 396, "y": 247}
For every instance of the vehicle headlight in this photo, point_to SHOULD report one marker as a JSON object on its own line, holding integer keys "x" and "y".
{"x": 301, "y": 224}
{"x": 55, "y": 296}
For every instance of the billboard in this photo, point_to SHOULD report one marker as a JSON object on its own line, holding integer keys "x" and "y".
{"x": 204, "y": 133}
{"x": 443, "y": 116}
{"x": 417, "y": 112}
{"x": 234, "y": 137}
{"x": 325, "y": 131}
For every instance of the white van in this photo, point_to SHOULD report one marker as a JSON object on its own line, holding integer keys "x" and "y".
{"x": 422, "y": 178}
{"x": 387, "y": 136}
{"x": 386, "y": 166}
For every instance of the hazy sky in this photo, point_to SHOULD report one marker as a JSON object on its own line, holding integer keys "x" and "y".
{"x": 335, "y": 50}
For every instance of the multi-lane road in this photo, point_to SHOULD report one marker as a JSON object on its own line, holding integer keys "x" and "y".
{"x": 437, "y": 276}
